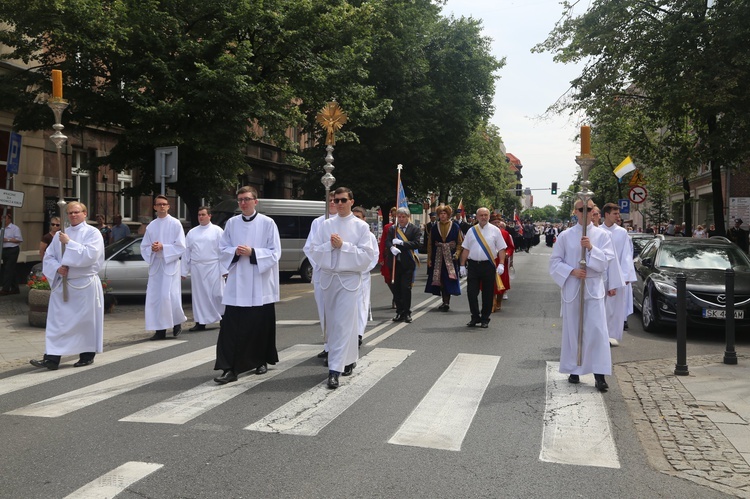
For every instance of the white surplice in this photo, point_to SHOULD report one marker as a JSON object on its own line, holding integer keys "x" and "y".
{"x": 341, "y": 282}
{"x": 566, "y": 254}
{"x": 365, "y": 314}
{"x": 317, "y": 292}
{"x": 620, "y": 306}
{"x": 164, "y": 291}
{"x": 75, "y": 326}
{"x": 249, "y": 284}
{"x": 202, "y": 263}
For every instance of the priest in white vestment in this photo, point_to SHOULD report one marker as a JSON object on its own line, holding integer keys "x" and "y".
{"x": 566, "y": 272}
{"x": 620, "y": 305}
{"x": 162, "y": 247}
{"x": 344, "y": 250}
{"x": 365, "y": 312}
{"x": 202, "y": 263}
{"x": 76, "y": 326}
{"x": 250, "y": 251}
{"x": 317, "y": 292}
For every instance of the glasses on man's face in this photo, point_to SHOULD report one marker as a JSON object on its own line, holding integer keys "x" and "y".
{"x": 245, "y": 200}
{"x": 55, "y": 225}
{"x": 340, "y": 200}
{"x": 161, "y": 204}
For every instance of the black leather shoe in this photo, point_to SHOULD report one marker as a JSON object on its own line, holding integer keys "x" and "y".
{"x": 261, "y": 369}
{"x": 45, "y": 363}
{"x": 82, "y": 363}
{"x": 198, "y": 327}
{"x": 159, "y": 335}
{"x": 484, "y": 325}
{"x": 333, "y": 381}
{"x": 600, "y": 383}
{"x": 348, "y": 369}
{"x": 407, "y": 318}
{"x": 227, "y": 377}
{"x": 444, "y": 307}
{"x": 472, "y": 323}
{"x": 360, "y": 342}
{"x": 176, "y": 330}
{"x": 323, "y": 355}
{"x": 398, "y": 318}
{"x": 573, "y": 378}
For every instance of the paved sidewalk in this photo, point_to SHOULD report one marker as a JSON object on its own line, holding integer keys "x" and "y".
{"x": 696, "y": 427}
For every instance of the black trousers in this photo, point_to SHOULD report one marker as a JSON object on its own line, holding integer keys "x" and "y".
{"x": 402, "y": 290}
{"x": 484, "y": 273}
{"x": 10, "y": 257}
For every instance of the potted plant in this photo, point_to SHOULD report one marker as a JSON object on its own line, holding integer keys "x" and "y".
{"x": 39, "y": 292}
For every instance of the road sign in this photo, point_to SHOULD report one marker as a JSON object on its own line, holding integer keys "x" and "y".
{"x": 624, "y": 205}
{"x": 637, "y": 194}
{"x": 636, "y": 179}
{"x": 14, "y": 153}
{"x": 11, "y": 198}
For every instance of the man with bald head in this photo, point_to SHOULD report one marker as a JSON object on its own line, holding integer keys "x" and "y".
{"x": 482, "y": 245}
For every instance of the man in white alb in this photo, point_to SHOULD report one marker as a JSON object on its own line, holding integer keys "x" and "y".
{"x": 619, "y": 304}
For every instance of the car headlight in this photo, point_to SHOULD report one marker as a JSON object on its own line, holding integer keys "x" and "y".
{"x": 666, "y": 289}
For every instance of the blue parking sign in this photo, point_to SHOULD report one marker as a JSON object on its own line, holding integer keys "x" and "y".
{"x": 624, "y": 205}
{"x": 14, "y": 153}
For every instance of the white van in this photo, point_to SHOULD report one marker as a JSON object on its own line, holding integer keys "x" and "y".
{"x": 293, "y": 217}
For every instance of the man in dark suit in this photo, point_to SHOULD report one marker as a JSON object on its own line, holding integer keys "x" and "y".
{"x": 402, "y": 240}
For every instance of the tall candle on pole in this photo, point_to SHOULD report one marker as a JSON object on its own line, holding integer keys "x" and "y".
{"x": 331, "y": 118}
{"x": 585, "y": 161}
{"x": 58, "y": 105}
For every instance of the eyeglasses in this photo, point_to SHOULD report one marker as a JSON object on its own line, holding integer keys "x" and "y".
{"x": 161, "y": 204}
{"x": 580, "y": 210}
{"x": 55, "y": 225}
{"x": 245, "y": 200}
{"x": 340, "y": 200}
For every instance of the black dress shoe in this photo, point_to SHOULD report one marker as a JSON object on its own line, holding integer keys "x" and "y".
{"x": 333, "y": 381}
{"x": 484, "y": 325}
{"x": 407, "y": 318}
{"x": 323, "y": 355}
{"x": 261, "y": 369}
{"x": 176, "y": 330}
{"x": 198, "y": 327}
{"x": 573, "y": 378}
{"x": 159, "y": 335}
{"x": 444, "y": 307}
{"x": 398, "y": 318}
{"x": 359, "y": 342}
{"x": 52, "y": 366}
{"x": 82, "y": 363}
{"x": 348, "y": 369}
{"x": 472, "y": 323}
{"x": 227, "y": 377}
{"x": 600, "y": 383}
{"x": 325, "y": 362}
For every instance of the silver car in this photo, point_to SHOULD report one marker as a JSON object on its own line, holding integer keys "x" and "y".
{"x": 125, "y": 270}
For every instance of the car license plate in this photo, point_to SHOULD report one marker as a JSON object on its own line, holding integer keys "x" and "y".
{"x": 710, "y": 313}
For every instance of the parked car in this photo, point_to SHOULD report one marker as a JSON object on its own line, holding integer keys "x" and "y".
{"x": 640, "y": 240}
{"x": 704, "y": 262}
{"x": 126, "y": 270}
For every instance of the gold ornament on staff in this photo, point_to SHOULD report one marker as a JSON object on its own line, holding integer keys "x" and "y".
{"x": 331, "y": 118}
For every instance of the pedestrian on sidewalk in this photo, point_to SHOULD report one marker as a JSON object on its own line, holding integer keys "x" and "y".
{"x": 76, "y": 326}
{"x": 11, "y": 248}
{"x": 54, "y": 226}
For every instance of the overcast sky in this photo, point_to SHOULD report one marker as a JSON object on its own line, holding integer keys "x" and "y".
{"x": 528, "y": 85}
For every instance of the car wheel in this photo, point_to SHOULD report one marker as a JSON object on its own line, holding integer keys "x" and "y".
{"x": 648, "y": 314}
{"x": 306, "y": 271}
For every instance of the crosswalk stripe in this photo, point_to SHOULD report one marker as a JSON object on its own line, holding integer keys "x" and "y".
{"x": 301, "y": 322}
{"x": 83, "y": 397}
{"x": 312, "y": 411}
{"x": 190, "y": 404}
{"x": 444, "y": 415}
{"x": 576, "y": 428}
{"x": 31, "y": 378}
{"x": 112, "y": 483}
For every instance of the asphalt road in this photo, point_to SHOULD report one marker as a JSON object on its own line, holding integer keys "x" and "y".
{"x": 213, "y": 454}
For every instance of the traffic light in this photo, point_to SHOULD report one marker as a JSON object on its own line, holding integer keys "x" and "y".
{"x": 519, "y": 188}
{"x": 554, "y": 188}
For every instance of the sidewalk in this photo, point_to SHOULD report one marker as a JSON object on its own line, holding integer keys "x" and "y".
{"x": 695, "y": 427}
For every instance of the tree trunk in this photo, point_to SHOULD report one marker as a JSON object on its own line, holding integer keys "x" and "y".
{"x": 688, "y": 207}
{"x": 717, "y": 200}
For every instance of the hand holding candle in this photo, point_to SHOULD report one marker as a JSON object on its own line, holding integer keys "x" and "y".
{"x": 585, "y": 140}
{"x": 57, "y": 84}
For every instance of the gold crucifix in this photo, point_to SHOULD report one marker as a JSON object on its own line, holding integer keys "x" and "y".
{"x": 331, "y": 118}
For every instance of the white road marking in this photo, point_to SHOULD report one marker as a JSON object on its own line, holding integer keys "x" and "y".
{"x": 576, "y": 427}
{"x": 31, "y": 378}
{"x": 190, "y": 404}
{"x": 312, "y": 411}
{"x": 83, "y": 397}
{"x": 111, "y": 484}
{"x": 444, "y": 415}
{"x": 298, "y": 322}
{"x": 399, "y": 325}
{"x": 290, "y": 298}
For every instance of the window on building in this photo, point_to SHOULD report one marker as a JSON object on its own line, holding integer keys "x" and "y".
{"x": 82, "y": 179}
{"x": 125, "y": 178}
{"x": 182, "y": 209}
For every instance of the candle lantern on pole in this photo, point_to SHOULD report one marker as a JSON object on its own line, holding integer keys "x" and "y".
{"x": 58, "y": 106}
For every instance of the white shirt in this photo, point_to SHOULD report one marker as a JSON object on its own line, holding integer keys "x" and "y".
{"x": 494, "y": 239}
